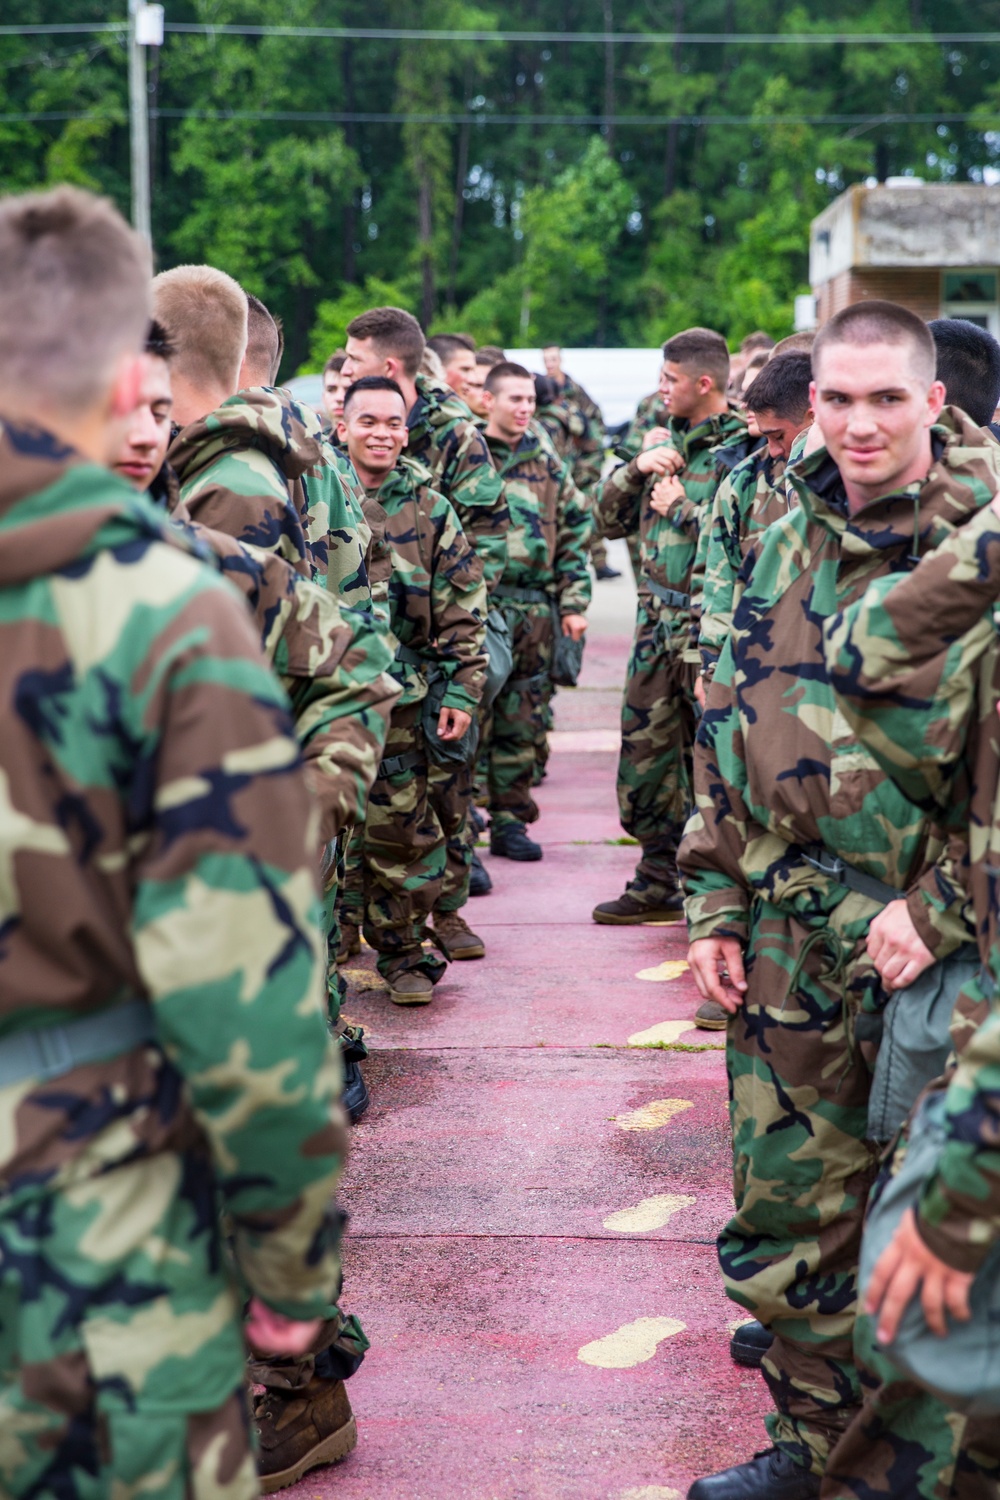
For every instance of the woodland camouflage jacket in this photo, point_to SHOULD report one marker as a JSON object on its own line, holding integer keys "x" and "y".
{"x": 776, "y": 766}
{"x": 444, "y": 438}
{"x": 549, "y": 522}
{"x": 159, "y": 842}
{"x": 437, "y": 598}
{"x": 915, "y": 664}
{"x": 261, "y": 469}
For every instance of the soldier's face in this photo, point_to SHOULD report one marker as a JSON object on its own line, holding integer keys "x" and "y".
{"x": 680, "y": 391}
{"x": 552, "y": 359}
{"x": 373, "y": 429}
{"x": 874, "y": 411}
{"x": 458, "y": 370}
{"x": 511, "y": 407}
{"x": 362, "y": 359}
{"x": 147, "y": 435}
{"x": 334, "y": 386}
{"x": 780, "y": 432}
{"x": 474, "y": 389}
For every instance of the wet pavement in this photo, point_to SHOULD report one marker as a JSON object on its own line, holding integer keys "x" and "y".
{"x": 535, "y": 1191}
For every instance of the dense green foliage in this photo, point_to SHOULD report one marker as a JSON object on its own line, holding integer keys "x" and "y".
{"x": 608, "y": 233}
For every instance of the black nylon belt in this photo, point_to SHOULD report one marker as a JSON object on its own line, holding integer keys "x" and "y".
{"x": 411, "y": 657}
{"x": 47, "y": 1051}
{"x": 846, "y": 875}
{"x": 405, "y": 762}
{"x": 522, "y": 596}
{"x": 672, "y": 597}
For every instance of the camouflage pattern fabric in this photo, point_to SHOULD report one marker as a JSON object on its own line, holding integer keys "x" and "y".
{"x": 777, "y": 770}
{"x": 437, "y": 607}
{"x": 745, "y": 504}
{"x": 579, "y": 441}
{"x": 445, "y": 440}
{"x": 916, "y": 668}
{"x": 650, "y": 413}
{"x": 659, "y": 709}
{"x": 262, "y": 470}
{"x": 546, "y": 550}
{"x": 161, "y": 843}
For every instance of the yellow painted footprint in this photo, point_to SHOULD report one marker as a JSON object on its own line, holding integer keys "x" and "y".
{"x": 651, "y": 1116}
{"x": 665, "y": 1032}
{"x": 671, "y": 968}
{"x": 632, "y": 1344}
{"x": 651, "y": 1213}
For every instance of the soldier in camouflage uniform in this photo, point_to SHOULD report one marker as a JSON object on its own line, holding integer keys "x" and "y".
{"x": 163, "y": 1043}
{"x": 650, "y": 414}
{"x": 749, "y": 499}
{"x": 437, "y": 613}
{"x": 814, "y": 885}
{"x": 446, "y": 441}
{"x": 545, "y": 586}
{"x": 916, "y": 669}
{"x": 659, "y": 709}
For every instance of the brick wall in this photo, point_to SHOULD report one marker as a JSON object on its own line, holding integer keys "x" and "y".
{"x": 920, "y": 291}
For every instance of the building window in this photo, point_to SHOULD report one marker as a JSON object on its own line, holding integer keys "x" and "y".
{"x": 971, "y": 294}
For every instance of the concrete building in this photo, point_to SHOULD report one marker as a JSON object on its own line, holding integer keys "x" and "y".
{"x": 934, "y": 247}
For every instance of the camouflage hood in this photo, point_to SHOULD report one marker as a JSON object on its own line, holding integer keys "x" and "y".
{"x": 56, "y": 508}
{"x": 268, "y": 420}
{"x": 433, "y": 409}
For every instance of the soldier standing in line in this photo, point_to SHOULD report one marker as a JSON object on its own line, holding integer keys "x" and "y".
{"x": 457, "y": 354}
{"x": 545, "y": 587}
{"x": 437, "y": 613}
{"x": 475, "y": 382}
{"x": 443, "y": 437}
{"x": 659, "y": 710}
{"x": 334, "y": 386}
{"x": 160, "y": 844}
{"x": 586, "y": 447}
{"x": 814, "y": 886}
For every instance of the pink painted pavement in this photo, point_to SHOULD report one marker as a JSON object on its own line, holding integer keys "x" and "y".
{"x": 502, "y": 1136}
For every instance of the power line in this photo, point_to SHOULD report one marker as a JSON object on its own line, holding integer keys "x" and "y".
{"x": 595, "y": 38}
{"x": 343, "y": 117}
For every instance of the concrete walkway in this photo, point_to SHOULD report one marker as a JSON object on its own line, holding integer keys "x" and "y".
{"x": 535, "y": 1192}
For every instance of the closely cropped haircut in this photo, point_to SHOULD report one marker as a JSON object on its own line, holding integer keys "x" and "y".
{"x": 157, "y": 342}
{"x": 490, "y": 355}
{"x": 280, "y": 326}
{"x": 968, "y": 365}
{"x": 447, "y": 345}
{"x": 371, "y": 383}
{"x": 782, "y": 387}
{"x": 264, "y": 342}
{"x": 797, "y": 341}
{"x": 756, "y": 340}
{"x": 394, "y": 334}
{"x": 700, "y": 351}
{"x": 506, "y": 370}
{"x": 876, "y": 322}
{"x": 552, "y": 346}
{"x": 205, "y": 313}
{"x": 336, "y": 362}
{"x": 74, "y": 297}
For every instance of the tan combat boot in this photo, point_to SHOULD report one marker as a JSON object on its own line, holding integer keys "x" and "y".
{"x": 453, "y": 935}
{"x": 299, "y": 1430}
{"x": 412, "y": 987}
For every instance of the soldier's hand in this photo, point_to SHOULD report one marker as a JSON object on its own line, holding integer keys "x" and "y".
{"x": 270, "y": 1332}
{"x": 896, "y": 948}
{"x": 452, "y": 723}
{"x": 906, "y": 1267}
{"x": 657, "y": 435}
{"x": 574, "y": 625}
{"x": 659, "y": 461}
{"x": 700, "y": 691}
{"x": 717, "y": 966}
{"x": 665, "y": 494}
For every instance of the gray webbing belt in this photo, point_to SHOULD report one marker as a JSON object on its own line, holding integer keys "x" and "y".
{"x": 672, "y": 597}
{"x": 411, "y": 657}
{"x": 846, "y": 875}
{"x": 47, "y": 1051}
{"x": 522, "y": 596}
{"x": 408, "y": 761}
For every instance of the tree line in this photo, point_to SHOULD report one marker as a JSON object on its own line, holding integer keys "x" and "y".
{"x": 456, "y": 181}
